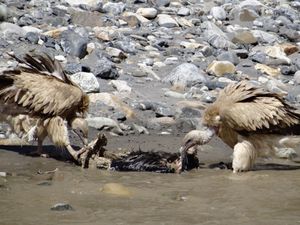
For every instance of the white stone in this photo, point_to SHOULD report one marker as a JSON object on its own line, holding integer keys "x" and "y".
{"x": 218, "y": 13}
{"x": 104, "y": 123}
{"x": 297, "y": 77}
{"x": 84, "y": 2}
{"x": 87, "y": 81}
{"x": 183, "y": 11}
{"x": 165, "y": 20}
{"x": 149, "y": 13}
{"x": 113, "y": 101}
{"x": 219, "y": 68}
{"x": 278, "y": 53}
{"x": 185, "y": 74}
{"x": 10, "y": 28}
{"x": 60, "y": 58}
{"x": 120, "y": 85}
{"x": 264, "y": 37}
{"x": 32, "y": 29}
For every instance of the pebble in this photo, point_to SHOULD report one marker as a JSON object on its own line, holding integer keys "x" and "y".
{"x": 165, "y": 20}
{"x": 149, "y": 13}
{"x": 104, "y": 123}
{"x": 185, "y": 74}
{"x": 273, "y": 72}
{"x": 61, "y": 207}
{"x": 218, "y": 13}
{"x": 219, "y": 68}
{"x": 3, "y": 12}
{"x": 87, "y": 81}
{"x": 116, "y": 189}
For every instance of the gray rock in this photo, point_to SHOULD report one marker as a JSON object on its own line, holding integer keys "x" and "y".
{"x": 86, "y": 18}
{"x": 187, "y": 112}
{"x": 185, "y": 74}
{"x": 162, "y": 2}
{"x": 140, "y": 129}
{"x": 74, "y": 44}
{"x": 216, "y": 37}
{"x": 218, "y": 13}
{"x": 87, "y": 81}
{"x": 212, "y": 85}
{"x": 296, "y": 61}
{"x": 264, "y": 37}
{"x": 126, "y": 45}
{"x": 288, "y": 70}
{"x": 82, "y": 2}
{"x": 7, "y": 29}
{"x": 258, "y": 56}
{"x": 251, "y": 4}
{"x": 104, "y": 123}
{"x": 62, "y": 207}
{"x": 165, "y": 20}
{"x": 162, "y": 111}
{"x": 26, "y": 20}
{"x": 297, "y": 77}
{"x": 183, "y": 11}
{"x": 49, "y": 42}
{"x": 229, "y": 56}
{"x": 3, "y": 12}
{"x": 149, "y": 13}
{"x": 207, "y": 97}
{"x": 114, "y": 8}
{"x": 32, "y": 37}
{"x": 72, "y": 68}
{"x": 104, "y": 68}
{"x": 120, "y": 86}
{"x": 290, "y": 34}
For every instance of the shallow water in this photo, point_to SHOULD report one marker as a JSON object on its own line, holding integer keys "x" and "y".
{"x": 203, "y": 196}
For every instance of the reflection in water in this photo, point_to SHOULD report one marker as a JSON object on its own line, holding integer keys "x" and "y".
{"x": 204, "y": 196}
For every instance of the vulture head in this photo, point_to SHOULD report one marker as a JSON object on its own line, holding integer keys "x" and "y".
{"x": 80, "y": 127}
{"x": 193, "y": 139}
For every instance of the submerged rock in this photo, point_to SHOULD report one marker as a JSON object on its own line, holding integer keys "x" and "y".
{"x": 116, "y": 189}
{"x": 61, "y": 207}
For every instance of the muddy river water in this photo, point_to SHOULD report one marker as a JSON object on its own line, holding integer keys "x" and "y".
{"x": 204, "y": 196}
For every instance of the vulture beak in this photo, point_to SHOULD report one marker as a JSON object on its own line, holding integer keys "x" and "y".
{"x": 84, "y": 140}
{"x": 192, "y": 139}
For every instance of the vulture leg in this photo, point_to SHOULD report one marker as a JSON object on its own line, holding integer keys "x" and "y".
{"x": 74, "y": 154}
{"x": 244, "y": 156}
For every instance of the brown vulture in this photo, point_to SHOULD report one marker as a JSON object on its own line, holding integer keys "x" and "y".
{"x": 251, "y": 120}
{"x": 45, "y": 95}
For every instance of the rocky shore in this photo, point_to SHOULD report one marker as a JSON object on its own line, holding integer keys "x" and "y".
{"x": 152, "y": 66}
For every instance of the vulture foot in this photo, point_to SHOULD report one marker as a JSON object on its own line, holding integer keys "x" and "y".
{"x": 37, "y": 153}
{"x": 244, "y": 156}
{"x": 96, "y": 147}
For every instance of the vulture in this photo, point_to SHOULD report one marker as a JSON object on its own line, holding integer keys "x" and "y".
{"x": 251, "y": 120}
{"x": 38, "y": 100}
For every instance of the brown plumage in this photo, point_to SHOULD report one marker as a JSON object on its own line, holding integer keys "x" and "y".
{"x": 252, "y": 121}
{"x": 41, "y": 91}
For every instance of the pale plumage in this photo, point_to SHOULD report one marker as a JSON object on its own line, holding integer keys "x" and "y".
{"x": 42, "y": 91}
{"x": 252, "y": 121}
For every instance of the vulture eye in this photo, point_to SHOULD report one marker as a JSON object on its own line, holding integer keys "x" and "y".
{"x": 217, "y": 118}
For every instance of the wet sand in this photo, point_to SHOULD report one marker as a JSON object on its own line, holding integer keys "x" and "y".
{"x": 268, "y": 195}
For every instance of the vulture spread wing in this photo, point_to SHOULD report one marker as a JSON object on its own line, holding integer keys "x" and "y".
{"x": 246, "y": 108}
{"x": 41, "y": 89}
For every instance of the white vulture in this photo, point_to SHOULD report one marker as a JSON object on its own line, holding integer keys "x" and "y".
{"x": 46, "y": 98}
{"x": 252, "y": 121}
